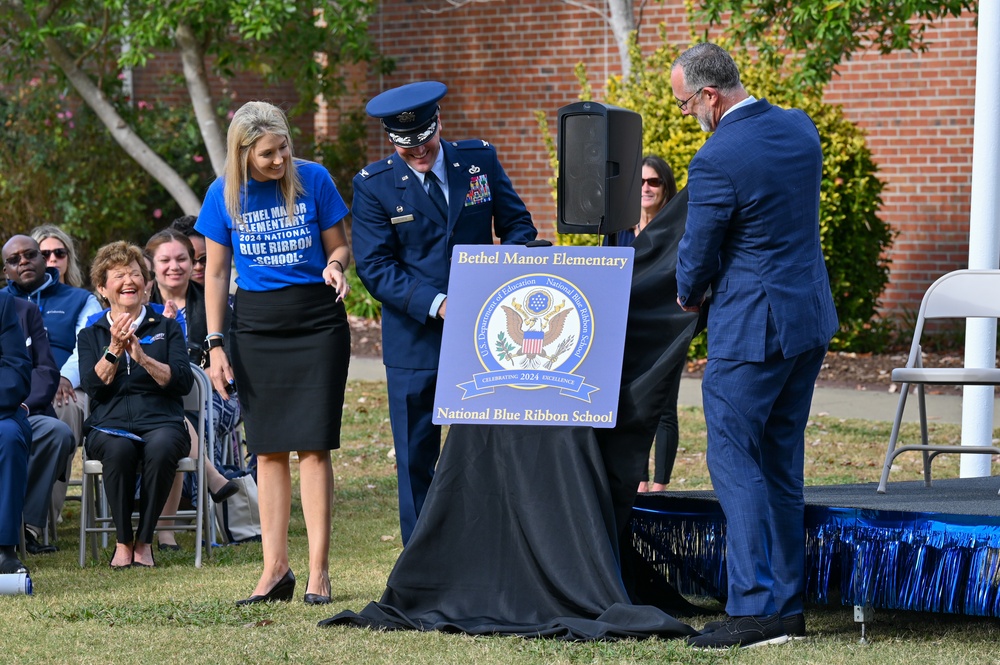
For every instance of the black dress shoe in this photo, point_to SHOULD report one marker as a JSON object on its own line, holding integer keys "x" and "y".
{"x": 34, "y": 547}
{"x": 743, "y": 632}
{"x": 283, "y": 590}
{"x": 168, "y": 547}
{"x": 795, "y": 626}
{"x": 9, "y": 563}
{"x": 224, "y": 492}
{"x": 317, "y": 599}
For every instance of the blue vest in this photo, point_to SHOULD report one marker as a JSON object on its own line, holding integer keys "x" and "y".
{"x": 60, "y": 305}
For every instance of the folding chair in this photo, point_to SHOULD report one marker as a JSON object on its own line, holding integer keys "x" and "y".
{"x": 95, "y": 516}
{"x": 961, "y": 294}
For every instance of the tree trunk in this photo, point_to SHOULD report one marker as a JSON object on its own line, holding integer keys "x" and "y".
{"x": 622, "y": 20}
{"x": 124, "y": 135}
{"x": 196, "y": 77}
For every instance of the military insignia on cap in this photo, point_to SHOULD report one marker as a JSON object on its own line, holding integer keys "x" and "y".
{"x": 406, "y": 116}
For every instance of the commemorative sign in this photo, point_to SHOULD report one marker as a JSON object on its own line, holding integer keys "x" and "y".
{"x": 534, "y": 335}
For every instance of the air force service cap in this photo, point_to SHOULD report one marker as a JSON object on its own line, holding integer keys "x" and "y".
{"x": 409, "y": 113}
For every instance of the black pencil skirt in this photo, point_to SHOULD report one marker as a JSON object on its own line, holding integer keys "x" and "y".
{"x": 290, "y": 350}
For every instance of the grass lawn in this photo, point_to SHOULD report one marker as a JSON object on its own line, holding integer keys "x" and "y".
{"x": 179, "y": 614}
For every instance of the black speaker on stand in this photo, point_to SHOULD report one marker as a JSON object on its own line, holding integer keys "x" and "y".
{"x": 600, "y": 168}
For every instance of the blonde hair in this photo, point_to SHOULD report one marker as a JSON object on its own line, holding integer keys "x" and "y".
{"x": 252, "y": 121}
{"x": 73, "y": 276}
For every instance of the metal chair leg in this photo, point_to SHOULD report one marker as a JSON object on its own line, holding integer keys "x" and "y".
{"x": 893, "y": 437}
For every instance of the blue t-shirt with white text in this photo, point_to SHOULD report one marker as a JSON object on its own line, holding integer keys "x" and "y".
{"x": 269, "y": 251}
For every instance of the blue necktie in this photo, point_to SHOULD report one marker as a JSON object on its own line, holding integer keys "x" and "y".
{"x": 434, "y": 191}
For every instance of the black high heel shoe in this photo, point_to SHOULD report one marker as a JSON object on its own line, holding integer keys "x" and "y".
{"x": 283, "y": 590}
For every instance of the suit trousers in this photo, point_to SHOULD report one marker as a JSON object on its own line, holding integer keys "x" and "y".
{"x": 15, "y": 442}
{"x": 52, "y": 445}
{"x": 416, "y": 439}
{"x": 156, "y": 457}
{"x": 756, "y": 413}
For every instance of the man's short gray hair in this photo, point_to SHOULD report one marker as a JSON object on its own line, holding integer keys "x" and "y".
{"x": 708, "y": 65}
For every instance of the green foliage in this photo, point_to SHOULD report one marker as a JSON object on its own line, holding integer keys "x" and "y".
{"x": 60, "y": 166}
{"x": 854, "y": 239}
{"x": 824, "y": 33}
{"x": 343, "y": 156}
{"x": 359, "y": 302}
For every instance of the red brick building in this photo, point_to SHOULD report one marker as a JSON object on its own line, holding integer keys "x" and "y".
{"x": 505, "y": 59}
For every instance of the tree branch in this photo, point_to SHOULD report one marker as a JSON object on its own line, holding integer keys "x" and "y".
{"x": 196, "y": 77}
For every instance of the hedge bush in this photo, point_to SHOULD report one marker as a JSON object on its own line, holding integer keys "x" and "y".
{"x": 854, "y": 238}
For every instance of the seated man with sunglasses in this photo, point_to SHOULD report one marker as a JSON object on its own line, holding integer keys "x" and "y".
{"x": 65, "y": 309}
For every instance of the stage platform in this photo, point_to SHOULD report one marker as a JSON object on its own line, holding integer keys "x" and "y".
{"x": 933, "y": 549}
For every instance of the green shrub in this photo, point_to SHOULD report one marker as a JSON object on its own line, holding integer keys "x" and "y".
{"x": 853, "y": 237}
{"x": 61, "y": 166}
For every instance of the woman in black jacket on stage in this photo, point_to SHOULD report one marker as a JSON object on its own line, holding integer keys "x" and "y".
{"x": 134, "y": 366}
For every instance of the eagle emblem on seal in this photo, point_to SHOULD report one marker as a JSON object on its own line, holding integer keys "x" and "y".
{"x": 531, "y": 327}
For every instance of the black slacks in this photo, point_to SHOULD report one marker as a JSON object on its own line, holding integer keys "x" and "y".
{"x": 156, "y": 457}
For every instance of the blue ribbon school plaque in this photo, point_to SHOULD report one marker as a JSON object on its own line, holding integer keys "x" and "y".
{"x": 534, "y": 335}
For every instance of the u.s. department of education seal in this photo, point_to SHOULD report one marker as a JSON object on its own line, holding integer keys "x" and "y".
{"x": 533, "y": 332}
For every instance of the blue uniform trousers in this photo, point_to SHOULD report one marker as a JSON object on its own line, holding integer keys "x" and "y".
{"x": 416, "y": 439}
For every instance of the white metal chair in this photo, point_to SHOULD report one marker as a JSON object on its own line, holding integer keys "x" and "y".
{"x": 95, "y": 517}
{"x": 961, "y": 294}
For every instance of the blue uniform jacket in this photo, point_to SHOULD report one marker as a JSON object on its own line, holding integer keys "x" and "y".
{"x": 752, "y": 234}
{"x": 402, "y": 244}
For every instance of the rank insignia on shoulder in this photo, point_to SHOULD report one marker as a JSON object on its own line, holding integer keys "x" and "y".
{"x": 364, "y": 173}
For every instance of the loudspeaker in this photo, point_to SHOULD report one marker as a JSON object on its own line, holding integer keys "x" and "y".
{"x": 600, "y": 168}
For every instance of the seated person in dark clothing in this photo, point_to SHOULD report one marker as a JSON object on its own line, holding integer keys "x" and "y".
{"x": 52, "y": 441}
{"x": 15, "y": 434}
{"x": 134, "y": 366}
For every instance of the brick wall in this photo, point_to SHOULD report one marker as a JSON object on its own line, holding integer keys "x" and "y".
{"x": 502, "y": 60}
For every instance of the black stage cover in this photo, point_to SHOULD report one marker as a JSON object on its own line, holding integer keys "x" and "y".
{"x": 520, "y": 532}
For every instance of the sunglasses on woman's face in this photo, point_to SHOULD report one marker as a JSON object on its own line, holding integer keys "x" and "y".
{"x": 60, "y": 253}
{"x": 655, "y": 183}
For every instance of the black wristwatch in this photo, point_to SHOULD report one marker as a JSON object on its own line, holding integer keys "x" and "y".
{"x": 214, "y": 343}
{"x": 110, "y": 357}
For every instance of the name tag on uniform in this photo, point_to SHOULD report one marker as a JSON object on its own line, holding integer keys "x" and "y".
{"x": 400, "y": 220}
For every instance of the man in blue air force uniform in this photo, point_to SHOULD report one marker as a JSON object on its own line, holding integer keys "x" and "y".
{"x": 410, "y": 210}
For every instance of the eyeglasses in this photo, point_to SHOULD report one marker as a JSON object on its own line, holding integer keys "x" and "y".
{"x": 60, "y": 253}
{"x": 683, "y": 105}
{"x": 26, "y": 255}
{"x": 655, "y": 183}
{"x": 201, "y": 260}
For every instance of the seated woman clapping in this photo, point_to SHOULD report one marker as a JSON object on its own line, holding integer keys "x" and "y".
{"x": 134, "y": 367}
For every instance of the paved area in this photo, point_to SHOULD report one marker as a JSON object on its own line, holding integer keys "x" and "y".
{"x": 836, "y": 402}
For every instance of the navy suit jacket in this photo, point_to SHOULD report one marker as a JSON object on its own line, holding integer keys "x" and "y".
{"x": 403, "y": 245}
{"x": 44, "y": 373}
{"x": 15, "y": 365}
{"x": 752, "y": 234}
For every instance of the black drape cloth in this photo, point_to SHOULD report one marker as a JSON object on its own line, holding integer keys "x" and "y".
{"x": 516, "y": 537}
{"x": 522, "y": 528}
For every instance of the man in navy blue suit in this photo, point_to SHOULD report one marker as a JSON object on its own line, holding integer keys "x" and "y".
{"x": 410, "y": 210}
{"x": 15, "y": 433}
{"x": 752, "y": 242}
